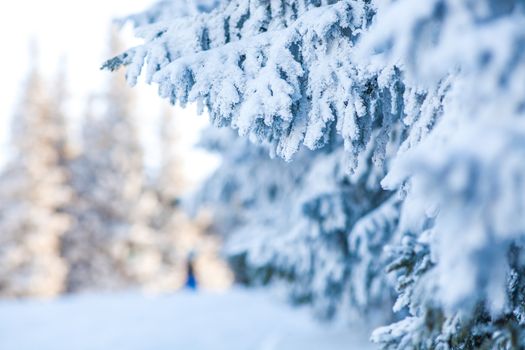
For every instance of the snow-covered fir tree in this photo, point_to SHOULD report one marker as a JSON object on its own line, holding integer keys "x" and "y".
{"x": 129, "y": 230}
{"x": 108, "y": 182}
{"x": 413, "y": 114}
{"x": 34, "y": 193}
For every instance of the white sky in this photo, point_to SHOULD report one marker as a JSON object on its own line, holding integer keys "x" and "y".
{"x": 78, "y": 31}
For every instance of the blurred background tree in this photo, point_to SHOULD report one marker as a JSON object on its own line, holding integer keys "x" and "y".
{"x": 83, "y": 214}
{"x": 34, "y": 192}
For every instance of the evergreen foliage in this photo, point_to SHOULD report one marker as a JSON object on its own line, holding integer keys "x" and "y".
{"x": 413, "y": 114}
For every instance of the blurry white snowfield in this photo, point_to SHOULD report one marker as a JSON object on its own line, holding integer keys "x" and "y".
{"x": 234, "y": 320}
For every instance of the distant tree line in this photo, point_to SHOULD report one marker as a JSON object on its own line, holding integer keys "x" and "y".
{"x": 87, "y": 218}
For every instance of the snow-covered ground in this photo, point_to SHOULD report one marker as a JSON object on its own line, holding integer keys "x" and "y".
{"x": 236, "y": 320}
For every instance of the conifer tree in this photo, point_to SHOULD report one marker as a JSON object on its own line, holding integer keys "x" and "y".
{"x": 131, "y": 232}
{"x": 34, "y": 193}
{"x": 270, "y": 72}
{"x": 427, "y": 95}
{"x": 108, "y": 180}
